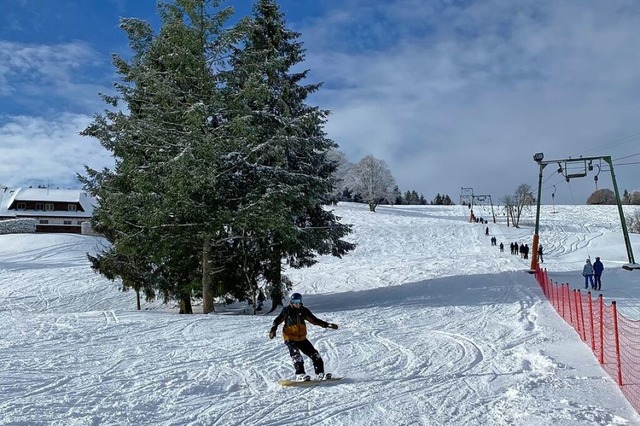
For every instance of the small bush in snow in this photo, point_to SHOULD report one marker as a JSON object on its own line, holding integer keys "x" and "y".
{"x": 633, "y": 222}
{"x": 17, "y": 226}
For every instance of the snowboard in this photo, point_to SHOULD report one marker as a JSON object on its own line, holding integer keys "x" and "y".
{"x": 312, "y": 382}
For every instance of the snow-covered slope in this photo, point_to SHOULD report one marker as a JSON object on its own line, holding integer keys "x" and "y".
{"x": 437, "y": 327}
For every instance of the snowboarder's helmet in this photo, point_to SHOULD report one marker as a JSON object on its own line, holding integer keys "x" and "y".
{"x": 296, "y": 298}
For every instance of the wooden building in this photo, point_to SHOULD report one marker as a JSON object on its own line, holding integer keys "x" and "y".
{"x": 55, "y": 210}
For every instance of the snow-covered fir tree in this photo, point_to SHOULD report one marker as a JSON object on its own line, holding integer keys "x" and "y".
{"x": 287, "y": 173}
{"x": 221, "y": 168}
{"x": 162, "y": 198}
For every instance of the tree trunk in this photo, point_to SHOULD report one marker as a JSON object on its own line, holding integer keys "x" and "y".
{"x": 276, "y": 298}
{"x": 138, "y": 299}
{"x": 275, "y": 293}
{"x": 185, "y": 305}
{"x": 207, "y": 277}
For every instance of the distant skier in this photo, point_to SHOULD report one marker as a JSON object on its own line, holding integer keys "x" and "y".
{"x": 598, "y": 268}
{"x": 540, "y": 254}
{"x": 294, "y": 333}
{"x": 587, "y": 273}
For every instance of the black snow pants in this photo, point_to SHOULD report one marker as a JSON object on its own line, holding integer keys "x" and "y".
{"x": 306, "y": 348}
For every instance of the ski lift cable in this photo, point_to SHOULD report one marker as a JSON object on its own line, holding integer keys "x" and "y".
{"x": 627, "y": 139}
{"x": 548, "y": 177}
{"x": 556, "y": 183}
{"x": 626, "y": 156}
{"x": 627, "y": 164}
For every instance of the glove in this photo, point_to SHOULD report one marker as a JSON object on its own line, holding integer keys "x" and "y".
{"x": 334, "y": 326}
{"x": 272, "y": 333}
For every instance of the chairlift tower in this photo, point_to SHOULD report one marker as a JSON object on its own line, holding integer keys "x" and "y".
{"x": 466, "y": 196}
{"x": 579, "y": 168}
{"x": 482, "y": 200}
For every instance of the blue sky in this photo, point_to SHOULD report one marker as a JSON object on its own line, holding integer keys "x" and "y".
{"x": 450, "y": 93}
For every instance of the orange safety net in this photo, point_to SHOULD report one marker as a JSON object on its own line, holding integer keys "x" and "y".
{"x": 613, "y": 338}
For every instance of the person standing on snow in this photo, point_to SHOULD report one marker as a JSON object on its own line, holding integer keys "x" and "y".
{"x": 294, "y": 334}
{"x": 540, "y": 253}
{"x": 587, "y": 273}
{"x": 598, "y": 267}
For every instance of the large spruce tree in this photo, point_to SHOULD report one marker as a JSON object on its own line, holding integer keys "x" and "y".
{"x": 162, "y": 198}
{"x": 288, "y": 173}
{"x": 221, "y": 167}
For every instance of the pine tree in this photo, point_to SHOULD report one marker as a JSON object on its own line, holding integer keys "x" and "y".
{"x": 162, "y": 198}
{"x": 397, "y": 195}
{"x": 286, "y": 173}
{"x": 219, "y": 175}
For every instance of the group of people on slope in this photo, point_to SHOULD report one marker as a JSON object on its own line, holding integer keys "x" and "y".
{"x": 522, "y": 249}
{"x": 593, "y": 274}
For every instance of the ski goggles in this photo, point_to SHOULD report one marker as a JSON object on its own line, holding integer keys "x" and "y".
{"x": 296, "y": 301}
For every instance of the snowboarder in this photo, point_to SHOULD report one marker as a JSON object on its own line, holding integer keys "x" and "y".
{"x": 598, "y": 267}
{"x": 294, "y": 334}
{"x": 587, "y": 273}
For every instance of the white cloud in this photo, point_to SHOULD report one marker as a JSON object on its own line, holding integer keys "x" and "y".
{"x": 450, "y": 94}
{"x": 483, "y": 88}
{"x": 37, "y": 150}
{"x": 30, "y": 71}
{"x": 44, "y": 146}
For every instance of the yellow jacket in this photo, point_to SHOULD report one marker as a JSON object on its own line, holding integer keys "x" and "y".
{"x": 295, "y": 328}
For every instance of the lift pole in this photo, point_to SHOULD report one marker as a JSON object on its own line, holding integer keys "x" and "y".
{"x": 538, "y": 158}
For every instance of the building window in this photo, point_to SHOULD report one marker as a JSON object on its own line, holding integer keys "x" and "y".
{"x": 44, "y": 221}
{"x": 22, "y": 206}
{"x": 67, "y": 222}
{"x": 71, "y": 207}
{"x": 48, "y": 207}
{"x": 79, "y": 222}
{"x": 39, "y": 206}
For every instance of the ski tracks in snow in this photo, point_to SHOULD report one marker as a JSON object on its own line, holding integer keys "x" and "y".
{"x": 402, "y": 361}
{"x": 423, "y": 340}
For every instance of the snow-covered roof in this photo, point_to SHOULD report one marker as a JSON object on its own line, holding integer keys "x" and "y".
{"x": 50, "y": 195}
{"x": 10, "y": 195}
